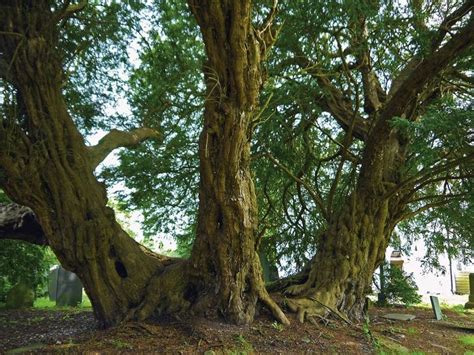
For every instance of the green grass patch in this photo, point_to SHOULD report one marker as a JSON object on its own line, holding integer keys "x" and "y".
{"x": 467, "y": 340}
{"x": 46, "y": 303}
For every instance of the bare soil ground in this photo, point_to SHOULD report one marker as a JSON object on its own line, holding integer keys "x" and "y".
{"x": 74, "y": 331}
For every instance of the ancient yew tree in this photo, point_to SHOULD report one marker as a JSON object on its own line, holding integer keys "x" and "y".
{"x": 226, "y": 244}
{"x": 341, "y": 143}
{"x": 378, "y": 178}
{"x": 47, "y": 166}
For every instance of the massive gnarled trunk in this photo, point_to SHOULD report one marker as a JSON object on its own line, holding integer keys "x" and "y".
{"x": 354, "y": 243}
{"x": 225, "y": 255}
{"x": 46, "y": 165}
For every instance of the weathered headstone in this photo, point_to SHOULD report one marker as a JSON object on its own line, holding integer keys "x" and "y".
{"x": 270, "y": 271}
{"x": 64, "y": 287}
{"x": 436, "y": 308}
{"x": 20, "y": 296}
{"x": 399, "y": 316}
{"x": 470, "y": 302}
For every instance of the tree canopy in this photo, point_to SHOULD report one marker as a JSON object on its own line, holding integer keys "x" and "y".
{"x": 307, "y": 131}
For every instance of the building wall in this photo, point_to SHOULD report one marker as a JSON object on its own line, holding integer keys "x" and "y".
{"x": 431, "y": 281}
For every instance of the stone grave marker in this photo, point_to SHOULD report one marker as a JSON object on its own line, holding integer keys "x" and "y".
{"x": 64, "y": 287}
{"x": 436, "y": 308}
{"x": 399, "y": 316}
{"x": 470, "y": 302}
{"x": 20, "y": 296}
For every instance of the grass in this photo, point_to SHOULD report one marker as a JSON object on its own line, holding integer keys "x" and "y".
{"x": 277, "y": 326}
{"x": 412, "y": 331}
{"x": 467, "y": 339}
{"x": 46, "y": 303}
{"x": 120, "y": 344}
{"x": 244, "y": 344}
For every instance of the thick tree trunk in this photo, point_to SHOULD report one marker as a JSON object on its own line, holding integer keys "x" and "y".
{"x": 224, "y": 257}
{"x": 354, "y": 244}
{"x": 45, "y": 165}
{"x": 348, "y": 253}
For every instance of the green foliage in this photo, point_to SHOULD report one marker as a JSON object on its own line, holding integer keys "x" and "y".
{"x": 399, "y": 287}
{"x": 166, "y": 94}
{"x": 94, "y": 45}
{"x": 46, "y": 303}
{"x": 20, "y": 296}
{"x": 467, "y": 339}
{"x": 23, "y": 262}
{"x": 278, "y": 326}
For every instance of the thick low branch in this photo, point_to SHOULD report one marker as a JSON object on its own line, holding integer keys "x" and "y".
{"x": 19, "y": 222}
{"x": 116, "y": 139}
{"x": 418, "y": 73}
{"x": 332, "y": 100}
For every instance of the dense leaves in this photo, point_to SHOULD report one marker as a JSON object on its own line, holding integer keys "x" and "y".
{"x": 305, "y": 164}
{"x": 140, "y": 63}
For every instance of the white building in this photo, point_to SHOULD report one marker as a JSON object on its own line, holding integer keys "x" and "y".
{"x": 453, "y": 280}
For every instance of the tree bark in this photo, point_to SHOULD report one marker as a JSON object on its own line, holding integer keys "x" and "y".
{"x": 348, "y": 253}
{"x": 46, "y": 165}
{"x": 354, "y": 244}
{"x": 20, "y": 223}
{"x": 224, "y": 257}
{"x": 355, "y": 241}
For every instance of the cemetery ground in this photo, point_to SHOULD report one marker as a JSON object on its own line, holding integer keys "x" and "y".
{"x": 73, "y": 330}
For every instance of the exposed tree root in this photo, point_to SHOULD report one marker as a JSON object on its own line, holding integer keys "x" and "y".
{"x": 308, "y": 307}
{"x": 273, "y": 307}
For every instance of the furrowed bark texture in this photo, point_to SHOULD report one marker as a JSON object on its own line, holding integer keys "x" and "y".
{"x": 224, "y": 257}
{"x": 355, "y": 241}
{"x": 354, "y": 244}
{"x": 46, "y": 165}
{"x": 19, "y": 223}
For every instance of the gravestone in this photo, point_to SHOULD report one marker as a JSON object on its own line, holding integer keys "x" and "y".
{"x": 64, "y": 287}
{"x": 20, "y": 296}
{"x": 436, "y": 308}
{"x": 399, "y": 316}
{"x": 470, "y": 302}
{"x": 270, "y": 271}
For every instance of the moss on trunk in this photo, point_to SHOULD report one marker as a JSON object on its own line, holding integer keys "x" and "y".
{"x": 224, "y": 257}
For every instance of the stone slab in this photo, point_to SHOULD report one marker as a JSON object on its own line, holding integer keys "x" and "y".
{"x": 436, "y": 308}
{"x": 399, "y": 316}
{"x": 64, "y": 287}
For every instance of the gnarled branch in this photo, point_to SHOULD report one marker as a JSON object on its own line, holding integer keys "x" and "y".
{"x": 116, "y": 139}
{"x": 314, "y": 194}
{"x": 417, "y": 73}
{"x": 333, "y": 100}
{"x": 20, "y": 223}
{"x": 374, "y": 94}
{"x": 69, "y": 9}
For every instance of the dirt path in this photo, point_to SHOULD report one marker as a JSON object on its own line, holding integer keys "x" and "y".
{"x": 66, "y": 331}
